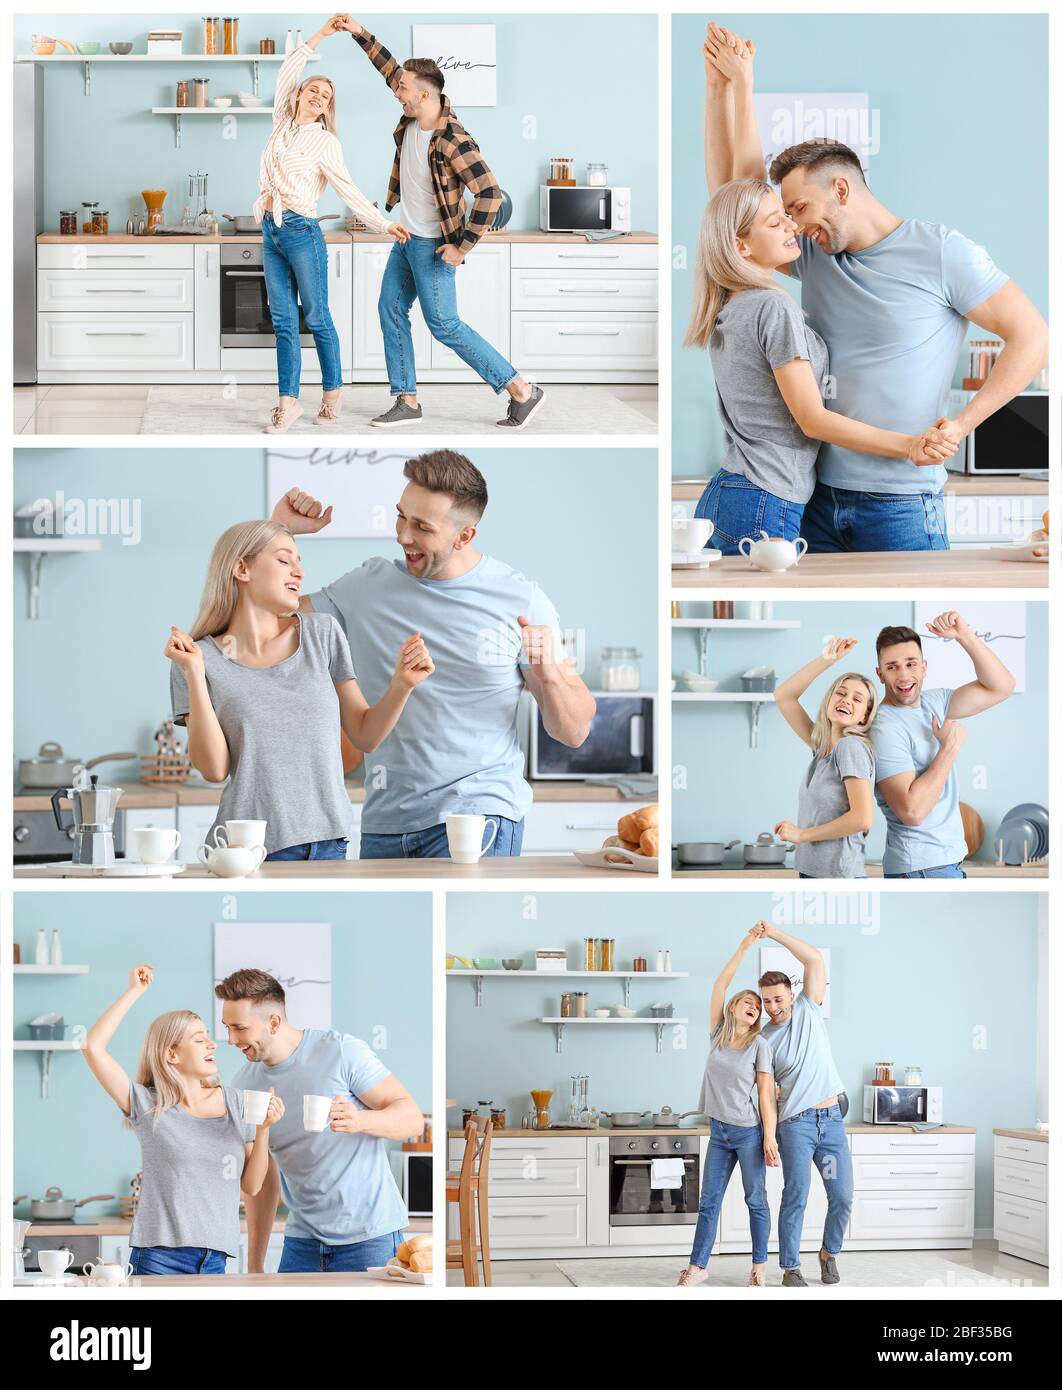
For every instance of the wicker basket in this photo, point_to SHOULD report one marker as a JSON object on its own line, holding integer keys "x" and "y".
{"x": 164, "y": 769}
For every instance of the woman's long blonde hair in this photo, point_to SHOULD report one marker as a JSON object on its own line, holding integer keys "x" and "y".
{"x": 730, "y": 1027}
{"x": 326, "y": 118}
{"x": 244, "y": 541}
{"x": 822, "y": 729}
{"x": 155, "y": 1070}
{"x": 720, "y": 268}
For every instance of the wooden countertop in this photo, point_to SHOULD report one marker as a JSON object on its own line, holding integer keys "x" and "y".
{"x": 872, "y": 569}
{"x": 974, "y": 869}
{"x": 490, "y": 870}
{"x": 600, "y": 1133}
{"x": 273, "y": 1281}
{"x": 958, "y": 485}
{"x": 910, "y": 1129}
{"x": 529, "y": 237}
{"x": 1031, "y": 1135}
{"x": 119, "y": 1226}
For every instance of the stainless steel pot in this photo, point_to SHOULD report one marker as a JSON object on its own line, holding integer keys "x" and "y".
{"x": 767, "y": 850}
{"x": 702, "y": 852}
{"x": 626, "y": 1119}
{"x": 667, "y": 1119}
{"x": 51, "y": 767}
{"x": 243, "y": 224}
{"x": 53, "y": 1206}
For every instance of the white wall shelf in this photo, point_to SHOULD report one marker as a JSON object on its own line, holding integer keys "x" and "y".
{"x": 179, "y": 112}
{"x": 88, "y": 60}
{"x": 754, "y": 698}
{"x": 740, "y": 624}
{"x": 37, "y": 549}
{"x": 46, "y": 1049}
{"x": 478, "y": 976}
{"x": 50, "y": 969}
{"x": 559, "y": 1024}
{"x": 727, "y": 697}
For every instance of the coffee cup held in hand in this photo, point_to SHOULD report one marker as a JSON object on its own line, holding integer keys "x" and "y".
{"x": 315, "y": 1113}
{"x": 255, "y": 1106}
{"x": 464, "y": 836}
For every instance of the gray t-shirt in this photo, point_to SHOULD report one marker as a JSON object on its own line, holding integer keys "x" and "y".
{"x": 728, "y": 1091}
{"x": 823, "y": 798}
{"x": 282, "y": 726}
{"x": 755, "y": 332}
{"x": 192, "y": 1168}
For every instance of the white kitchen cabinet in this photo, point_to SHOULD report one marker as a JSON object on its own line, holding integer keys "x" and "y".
{"x": 274, "y": 1248}
{"x": 341, "y": 302}
{"x": 370, "y": 261}
{"x": 980, "y": 520}
{"x": 533, "y": 1222}
{"x": 123, "y": 256}
{"x": 567, "y": 255}
{"x": 114, "y": 1250}
{"x": 557, "y": 827}
{"x": 207, "y": 308}
{"x": 140, "y": 819}
{"x": 548, "y": 1177}
{"x": 598, "y": 1231}
{"x": 193, "y": 822}
{"x": 585, "y": 291}
{"x": 912, "y": 1190}
{"x": 942, "y": 1218}
{"x": 578, "y": 345}
{"x": 1020, "y": 1197}
{"x": 734, "y": 1215}
{"x": 115, "y": 291}
{"x": 94, "y": 342}
{"x": 910, "y": 1172}
{"x": 482, "y": 303}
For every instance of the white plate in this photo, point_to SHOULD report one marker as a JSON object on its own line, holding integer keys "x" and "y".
{"x": 409, "y": 1276}
{"x": 39, "y": 1280}
{"x": 1023, "y": 550}
{"x": 123, "y": 869}
{"x": 694, "y": 559}
{"x": 636, "y": 863}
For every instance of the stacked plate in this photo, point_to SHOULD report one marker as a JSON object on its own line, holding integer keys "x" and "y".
{"x": 694, "y": 559}
{"x": 1022, "y": 834}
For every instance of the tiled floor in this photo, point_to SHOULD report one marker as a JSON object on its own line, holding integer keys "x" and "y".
{"x": 81, "y": 410}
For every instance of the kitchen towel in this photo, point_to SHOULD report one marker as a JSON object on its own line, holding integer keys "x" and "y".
{"x": 667, "y": 1172}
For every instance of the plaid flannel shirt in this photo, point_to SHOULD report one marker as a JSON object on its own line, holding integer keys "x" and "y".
{"x": 454, "y": 159}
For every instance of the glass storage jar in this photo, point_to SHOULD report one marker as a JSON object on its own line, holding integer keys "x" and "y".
{"x": 230, "y": 36}
{"x": 68, "y": 223}
{"x": 211, "y": 25}
{"x": 597, "y": 176}
{"x": 621, "y": 668}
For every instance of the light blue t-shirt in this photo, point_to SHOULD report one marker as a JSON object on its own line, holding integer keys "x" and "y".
{"x": 454, "y": 750}
{"x": 803, "y": 1062}
{"x": 893, "y": 317}
{"x": 338, "y": 1188}
{"x": 904, "y": 741}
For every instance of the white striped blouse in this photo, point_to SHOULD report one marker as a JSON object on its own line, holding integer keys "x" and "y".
{"x": 299, "y": 160}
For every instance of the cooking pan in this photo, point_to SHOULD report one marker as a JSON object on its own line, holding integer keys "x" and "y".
{"x": 53, "y": 1206}
{"x": 667, "y": 1119}
{"x": 51, "y": 767}
{"x": 626, "y": 1119}
{"x": 243, "y": 223}
{"x": 767, "y": 851}
{"x": 702, "y": 852}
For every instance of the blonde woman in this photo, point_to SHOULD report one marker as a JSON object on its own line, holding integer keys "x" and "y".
{"x": 302, "y": 154}
{"x": 197, "y": 1151}
{"x": 738, "y": 1096}
{"x": 771, "y": 368}
{"x": 264, "y": 690}
{"x": 835, "y": 806}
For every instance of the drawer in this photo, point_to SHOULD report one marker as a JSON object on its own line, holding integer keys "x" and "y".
{"x": 116, "y": 291}
{"x": 593, "y": 256}
{"x": 115, "y": 342}
{"x": 917, "y": 1144}
{"x": 1020, "y": 1222}
{"x": 135, "y": 256}
{"x": 1031, "y": 1150}
{"x": 549, "y": 1177}
{"x": 526, "y": 1148}
{"x": 910, "y": 1172}
{"x": 1018, "y": 1179}
{"x": 912, "y": 1216}
{"x": 585, "y": 291}
{"x": 516, "y": 1221}
{"x": 992, "y": 519}
{"x": 555, "y": 827}
{"x": 584, "y": 342}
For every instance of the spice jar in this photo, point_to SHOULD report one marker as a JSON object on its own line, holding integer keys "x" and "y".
{"x": 497, "y": 1119}
{"x": 641, "y": 965}
{"x": 267, "y": 45}
{"x": 230, "y": 36}
{"x": 562, "y": 171}
{"x": 101, "y": 222}
{"x": 68, "y": 223}
{"x": 621, "y": 668}
{"x": 86, "y": 217}
{"x": 210, "y": 35}
{"x": 201, "y": 91}
{"x": 582, "y": 1004}
{"x": 566, "y": 1006}
{"x": 597, "y": 176}
{"x": 184, "y": 95}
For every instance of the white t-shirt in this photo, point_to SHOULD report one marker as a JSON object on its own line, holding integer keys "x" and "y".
{"x": 420, "y": 211}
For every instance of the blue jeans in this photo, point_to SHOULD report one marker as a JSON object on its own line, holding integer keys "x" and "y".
{"x": 315, "y": 849}
{"x": 300, "y": 1256}
{"x": 414, "y": 271}
{"x": 836, "y": 519}
{"x": 730, "y": 1144}
{"x": 944, "y": 871}
{"x": 431, "y": 843}
{"x": 295, "y": 259}
{"x": 740, "y": 508}
{"x": 176, "y": 1259}
{"x": 813, "y": 1136}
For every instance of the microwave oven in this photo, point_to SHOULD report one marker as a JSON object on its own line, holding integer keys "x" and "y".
{"x": 621, "y": 741}
{"x": 903, "y": 1105}
{"x": 584, "y": 209}
{"x": 1013, "y": 440}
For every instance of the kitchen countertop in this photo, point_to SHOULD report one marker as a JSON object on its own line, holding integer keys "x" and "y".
{"x": 909, "y": 1129}
{"x": 1032, "y": 1135}
{"x": 958, "y": 485}
{"x": 666, "y": 1133}
{"x": 872, "y": 569}
{"x": 119, "y": 1226}
{"x": 974, "y": 869}
{"x": 490, "y": 869}
{"x": 235, "y": 1281}
{"x": 529, "y": 237}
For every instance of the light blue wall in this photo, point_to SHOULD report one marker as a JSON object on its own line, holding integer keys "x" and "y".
{"x": 90, "y": 671}
{"x": 914, "y": 985}
{"x": 941, "y": 159}
{"x": 554, "y": 97}
{"x": 75, "y": 1138}
{"x": 733, "y": 790}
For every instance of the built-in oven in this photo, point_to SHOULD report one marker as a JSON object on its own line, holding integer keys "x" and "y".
{"x": 245, "y": 318}
{"x": 653, "y": 1180}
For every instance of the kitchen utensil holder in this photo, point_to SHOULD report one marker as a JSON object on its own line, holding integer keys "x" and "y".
{"x": 164, "y": 769}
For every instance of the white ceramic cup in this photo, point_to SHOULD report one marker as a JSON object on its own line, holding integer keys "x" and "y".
{"x": 231, "y": 863}
{"x": 315, "y": 1112}
{"x": 55, "y": 1263}
{"x": 240, "y": 834}
{"x": 690, "y": 533}
{"x": 101, "y": 1273}
{"x": 255, "y": 1105}
{"x": 464, "y": 835}
{"x": 772, "y": 553}
{"x": 156, "y": 844}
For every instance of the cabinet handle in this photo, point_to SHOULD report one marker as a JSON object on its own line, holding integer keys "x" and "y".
{"x": 589, "y": 333}
{"x": 917, "y": 1206}
{"x": 587, "y": 293}
{"x": 643, "y": 1162}
{"x": 245, "y": 274}
{"x": 518, "y": 1216}
{"x": 610, "y": 826}
{"x": 914, "y": 1172}
{"x": 115, "y": 255}
{"x": 1024, "y": 1216}
{"x": 1016, "y": 1177}
{"x": 115, "y": 333}
{"x": 581, "y": 256}
{"x": 126, "y": 291}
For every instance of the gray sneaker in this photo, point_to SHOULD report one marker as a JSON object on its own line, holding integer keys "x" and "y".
{"x": 793, "y": 1279}
{"x": 520, "y": 412}
{"x": 399, "y": 414}
{"x": 829, "y": 1270}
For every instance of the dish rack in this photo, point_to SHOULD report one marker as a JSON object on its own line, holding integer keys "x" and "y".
{"x": 165, "y": 769}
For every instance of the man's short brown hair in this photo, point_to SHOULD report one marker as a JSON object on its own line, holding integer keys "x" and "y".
{"x": 256, "y": 985}
{"x": 895, "y": 636}
{"x": 427, "y": 70}
{"x": 775, "y": 977}
{"x": 444, "y": 470}
{"x": 815, "y": 155}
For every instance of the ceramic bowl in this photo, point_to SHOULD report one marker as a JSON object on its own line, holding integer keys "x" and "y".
{"x": 88, "y": 48}
{"x": 223, "y": 101}
{"x": 120, "y": 49}
{"x": 484, "y": 962}
{"x": 512, "y": 963}
{"x": 249, "y": 99}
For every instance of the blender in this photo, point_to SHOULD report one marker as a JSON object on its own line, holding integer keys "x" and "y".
{"x": 92, "y": 821}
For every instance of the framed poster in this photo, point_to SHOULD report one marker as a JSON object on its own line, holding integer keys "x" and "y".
{"x": 467, "y": 55}
{"x": 789, "y": 118}
{"x": 778, "y": 958}
{"x": 362, "y": 485}
{"x": 1001, "y": 626}
{"x": 298, "y": 954}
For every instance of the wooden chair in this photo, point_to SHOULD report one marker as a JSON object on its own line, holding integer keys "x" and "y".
{"x": 468, "y": 1189}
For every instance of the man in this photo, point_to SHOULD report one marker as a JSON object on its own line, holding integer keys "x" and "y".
{"x": 493, "y": 634}
{"x": 435, "y": 161}
{"x": 812, "y": 1105}
{"x": 916, "y": 741}
{"x": 344, "y": 1209}
{"x": 893, "y": 299}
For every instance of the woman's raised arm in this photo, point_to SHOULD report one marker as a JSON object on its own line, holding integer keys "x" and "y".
{"x": 724, "y": 978}
{"x": 111, "y": 1074}
{"x": 787, "y": 695}
{"x": 732, "y": 58}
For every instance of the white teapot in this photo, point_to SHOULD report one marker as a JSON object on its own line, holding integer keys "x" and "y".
{"x": 772, "y": 553}
{"x": 236, "y": 861}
